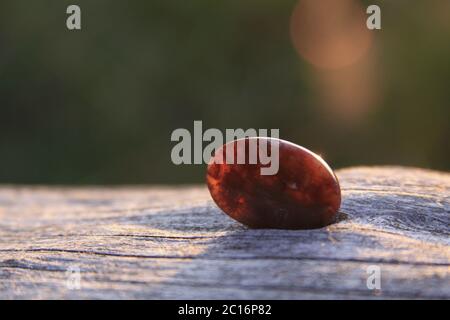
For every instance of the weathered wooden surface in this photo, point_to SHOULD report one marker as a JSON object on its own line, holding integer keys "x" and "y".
{"x": 174, "y": 243}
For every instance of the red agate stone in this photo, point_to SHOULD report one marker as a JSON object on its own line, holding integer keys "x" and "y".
{"x": 303, "y": 194}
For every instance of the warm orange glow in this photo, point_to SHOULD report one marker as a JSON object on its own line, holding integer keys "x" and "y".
{"x": 333, "y": 37}
{"x": 330, "y": 34}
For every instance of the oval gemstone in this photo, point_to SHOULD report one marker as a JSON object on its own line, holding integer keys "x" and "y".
{"x": 271, "y": 183}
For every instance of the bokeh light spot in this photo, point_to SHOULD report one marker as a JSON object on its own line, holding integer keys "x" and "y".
{"x": 330, "y": 34}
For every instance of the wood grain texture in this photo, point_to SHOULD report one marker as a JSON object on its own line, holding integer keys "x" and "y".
{"x": 174, "y": 243}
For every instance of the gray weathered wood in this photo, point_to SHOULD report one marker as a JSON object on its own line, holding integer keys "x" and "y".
{"x": 170, "y": 243}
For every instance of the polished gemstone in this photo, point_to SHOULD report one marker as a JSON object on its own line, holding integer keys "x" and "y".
{"x": 304, "y": 193}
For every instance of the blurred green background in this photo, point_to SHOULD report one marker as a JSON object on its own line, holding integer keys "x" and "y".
{"x": 98, "y": 106}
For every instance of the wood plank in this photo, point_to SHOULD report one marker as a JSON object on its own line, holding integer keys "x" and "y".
{"x": 170, "y": 243}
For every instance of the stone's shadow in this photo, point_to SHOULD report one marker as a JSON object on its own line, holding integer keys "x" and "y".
{"x": 192, "y": 220}
{"x": 341, "y": 216}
